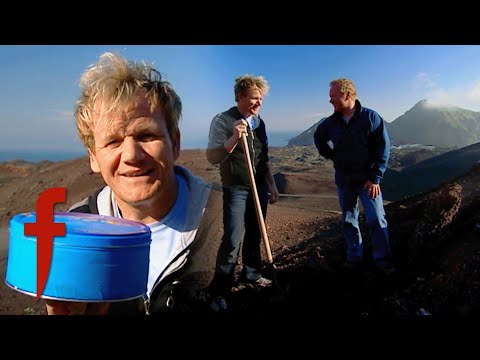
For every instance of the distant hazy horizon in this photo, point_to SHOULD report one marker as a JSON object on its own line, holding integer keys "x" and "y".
{"x": 275, "y": 138}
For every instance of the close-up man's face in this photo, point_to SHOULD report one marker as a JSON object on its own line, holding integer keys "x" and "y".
{"x": 134, "y": 152}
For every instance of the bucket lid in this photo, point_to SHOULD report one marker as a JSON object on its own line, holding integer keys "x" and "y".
{"x": 84, "y": 229}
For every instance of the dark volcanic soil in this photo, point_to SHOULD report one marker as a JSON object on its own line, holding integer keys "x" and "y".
{"x": 434, "y": 239}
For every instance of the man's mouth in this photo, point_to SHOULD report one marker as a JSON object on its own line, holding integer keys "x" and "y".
{"x": 137, "y": 173}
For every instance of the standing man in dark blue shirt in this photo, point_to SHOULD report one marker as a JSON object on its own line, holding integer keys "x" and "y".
{"x": 360, "y": 153}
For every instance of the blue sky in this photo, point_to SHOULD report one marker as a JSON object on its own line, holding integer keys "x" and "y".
{"x": 40, "y": 84}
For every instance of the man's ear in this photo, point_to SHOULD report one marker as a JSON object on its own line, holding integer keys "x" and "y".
{"x": 93, "y": 162}
{"x": 176, "y": 145}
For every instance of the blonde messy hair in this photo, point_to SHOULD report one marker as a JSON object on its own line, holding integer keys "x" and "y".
{"x": 116, "y": 81}
{"x": 247, "y": 81}
{"x": 346, "y": 85}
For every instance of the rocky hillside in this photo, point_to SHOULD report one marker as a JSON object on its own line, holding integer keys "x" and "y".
{"x": 434, "y": 238}
{"x": 436, "y": 252}
{"x": 424, "y": 175}
{"x": 440, "y": 126}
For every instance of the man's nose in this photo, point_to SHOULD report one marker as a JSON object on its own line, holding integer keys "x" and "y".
{"x": 132, "y": 150}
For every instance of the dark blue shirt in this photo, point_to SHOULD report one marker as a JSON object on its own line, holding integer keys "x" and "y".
{"x": 361, "y": 148}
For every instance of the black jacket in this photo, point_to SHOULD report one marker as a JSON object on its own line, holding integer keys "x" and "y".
{"x": 184, "y": 289}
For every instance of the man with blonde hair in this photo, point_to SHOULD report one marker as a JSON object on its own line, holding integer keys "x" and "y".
{"x": 360, "y": 153}
{"x": 127, "y": 117}
{"x": 238, "y": 204}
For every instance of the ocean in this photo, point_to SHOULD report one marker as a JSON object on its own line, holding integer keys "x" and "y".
{"x": 40, "y": 155}
{"x": 275, "y": 138}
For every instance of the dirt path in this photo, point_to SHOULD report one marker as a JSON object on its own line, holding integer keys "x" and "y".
{"x": 3, "y": 240}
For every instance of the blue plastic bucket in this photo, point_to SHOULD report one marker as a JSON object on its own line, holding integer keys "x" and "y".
{"x": 101, "y": 258}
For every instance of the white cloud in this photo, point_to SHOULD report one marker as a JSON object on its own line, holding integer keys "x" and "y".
{"x": 467, "y": 96}
{"x": 424, "y": 81}
{"x": 440, "y": 97}
{"x": 474, "y": 93}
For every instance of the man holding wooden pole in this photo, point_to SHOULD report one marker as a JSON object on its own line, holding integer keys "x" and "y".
{"x": 239, "y": 207}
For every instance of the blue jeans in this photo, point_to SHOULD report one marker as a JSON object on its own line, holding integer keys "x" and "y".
{"x": 376, "y": 223}
{"x": 239, "y": 214}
